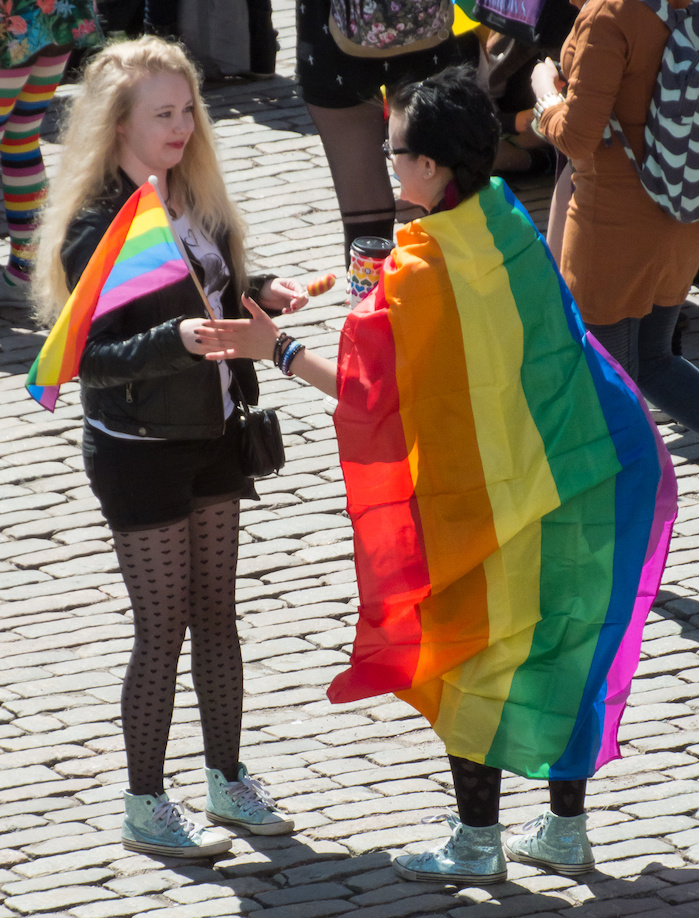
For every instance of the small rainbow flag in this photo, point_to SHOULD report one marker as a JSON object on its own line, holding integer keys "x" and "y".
{"x": 512, "y": 501}
{"x": 137, "y": 255}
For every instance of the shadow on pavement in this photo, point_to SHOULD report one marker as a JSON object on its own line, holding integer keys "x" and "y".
{"x": 655, "y": 890}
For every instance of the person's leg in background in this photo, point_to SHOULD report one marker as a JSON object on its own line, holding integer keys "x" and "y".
{"x": 160, "y": 18}
{"x": 620, "y": 340}
{"x": 25, "y": 95}
{"x": 665, "y": 378}
{"x": 352, "y": 139}
{"x": 644, "y": 349}
{"x": 263, "y": 38}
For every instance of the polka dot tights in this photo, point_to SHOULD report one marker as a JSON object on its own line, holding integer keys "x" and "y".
{"x": 477, "y": 789}
{"x": 182, "y": 576}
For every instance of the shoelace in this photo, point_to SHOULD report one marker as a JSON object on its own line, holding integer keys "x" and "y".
{"x": 452, "y": 821}
{"x": 448, "y": 816}
{"x": 254, "y": 797}
{"x": 536, "y": 823}
{"x": 172, "y": 811}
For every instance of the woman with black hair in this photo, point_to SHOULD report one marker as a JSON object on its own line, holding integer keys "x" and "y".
{"x": 503, "y": 486}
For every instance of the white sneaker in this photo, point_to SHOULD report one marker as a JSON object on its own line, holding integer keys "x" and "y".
{"x": 156, "y": 825}
{"x": 559, "y": 843}
{"x": 244, "y": 802}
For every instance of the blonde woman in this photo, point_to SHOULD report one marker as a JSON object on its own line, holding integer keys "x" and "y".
{"x": 160, "y": 453}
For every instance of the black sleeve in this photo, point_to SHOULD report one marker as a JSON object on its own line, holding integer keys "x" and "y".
{"x": 110, "y": 360}
{"x": 254, "y": 286}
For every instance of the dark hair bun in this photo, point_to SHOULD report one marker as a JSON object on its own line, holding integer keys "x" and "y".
{"x": 451, "y": 119}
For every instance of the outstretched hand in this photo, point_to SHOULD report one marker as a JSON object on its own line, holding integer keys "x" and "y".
{"x": 253, "y": 338}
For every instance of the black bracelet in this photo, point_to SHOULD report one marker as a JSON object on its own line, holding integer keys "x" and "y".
{"x": 279, "y": 348}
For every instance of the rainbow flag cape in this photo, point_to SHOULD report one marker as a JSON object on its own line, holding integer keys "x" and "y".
{"x": 463, "y": 17}
{"x": 137, "y": 255}
{"x": 512, "y": 501}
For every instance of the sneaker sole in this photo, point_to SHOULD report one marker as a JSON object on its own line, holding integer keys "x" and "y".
{"x": 170, "y": 851}
{"x": 271, "y": 828}
{"x": 566, "y": 870}
{"x": 473, "y": 879}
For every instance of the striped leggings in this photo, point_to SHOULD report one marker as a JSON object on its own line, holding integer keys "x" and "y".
{"x": 25, "y": 95}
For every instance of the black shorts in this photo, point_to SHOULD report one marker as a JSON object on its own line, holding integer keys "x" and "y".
{"x": 145, "y": 483}
{"x": 330, "y": 78}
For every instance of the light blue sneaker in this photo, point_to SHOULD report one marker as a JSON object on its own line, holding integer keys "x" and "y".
{"x": 557, "y": 842}
{"x": 244, "y": 802}
{"x": 156, "y": 825}
{"x": 472, "y": 855}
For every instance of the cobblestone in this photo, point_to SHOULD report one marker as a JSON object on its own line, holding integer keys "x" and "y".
{"x": 357, "y": 778}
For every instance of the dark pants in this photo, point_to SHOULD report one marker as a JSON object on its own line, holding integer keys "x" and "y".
{"x": 643, "y": 347}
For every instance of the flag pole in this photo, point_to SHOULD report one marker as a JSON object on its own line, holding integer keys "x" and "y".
{"x": 153, "y": 180}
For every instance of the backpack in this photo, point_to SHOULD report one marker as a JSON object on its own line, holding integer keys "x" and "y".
{"x": 384, "y": 28}
{"x": 669, "y": 171}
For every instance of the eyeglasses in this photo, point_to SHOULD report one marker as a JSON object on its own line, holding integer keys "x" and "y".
{"x": 389, "y": 152}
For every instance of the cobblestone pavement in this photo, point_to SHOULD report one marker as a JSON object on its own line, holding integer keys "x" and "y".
{"x": 358, "y": 778}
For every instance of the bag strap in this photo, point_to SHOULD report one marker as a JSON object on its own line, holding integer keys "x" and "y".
{"x": 668, "y": 14}
{"x": 240, "y": 398}
{"x": 670, "y": 17}
{"x": 613, "y": 129}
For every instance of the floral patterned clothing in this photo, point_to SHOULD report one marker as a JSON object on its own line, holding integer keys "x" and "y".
{"x": 330, "y": 78}
{"x": 28, "y": 26}
{"x": 380, "y": 28}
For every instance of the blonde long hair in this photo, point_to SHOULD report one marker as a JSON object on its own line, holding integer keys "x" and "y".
{"x": 90, "y": 160}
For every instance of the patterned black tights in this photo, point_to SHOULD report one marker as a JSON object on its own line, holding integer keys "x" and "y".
{"x": 179, "y": 576}
{"x": 361, "y": 183}
{"x": 477, "y": 789}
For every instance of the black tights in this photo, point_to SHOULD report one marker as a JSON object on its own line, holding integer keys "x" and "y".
{"x": 352, "y": 139}
{"x": 178, "y": 576}
{"x": 477, "y": 789}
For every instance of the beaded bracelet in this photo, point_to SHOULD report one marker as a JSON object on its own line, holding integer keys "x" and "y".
{"x": 291, "y": 351}
{"x": 279, "y": 348}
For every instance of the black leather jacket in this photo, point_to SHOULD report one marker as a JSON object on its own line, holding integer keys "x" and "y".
{"x": 136, "y": 375}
